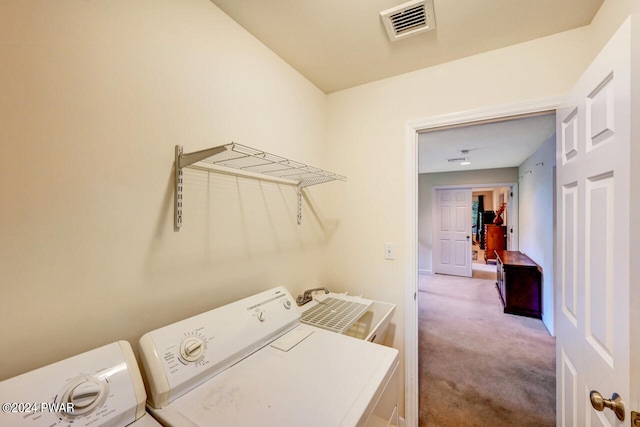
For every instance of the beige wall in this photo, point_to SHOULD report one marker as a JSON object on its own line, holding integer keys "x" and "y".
{"x": 95, "y": 95}
{"x": 367, "y": 138}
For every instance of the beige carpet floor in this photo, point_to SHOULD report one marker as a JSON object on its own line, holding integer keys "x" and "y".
{"x": 479, "y": 366}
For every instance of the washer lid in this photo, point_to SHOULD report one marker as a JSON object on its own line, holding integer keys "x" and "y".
{"x": 326, "y": 379}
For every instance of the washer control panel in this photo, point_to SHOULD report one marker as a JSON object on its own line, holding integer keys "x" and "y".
{"x": 100, "y": 387}
{"x": 181, "y": 356}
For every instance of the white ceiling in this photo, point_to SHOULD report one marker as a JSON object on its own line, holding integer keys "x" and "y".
{"x": 338, "y": 44}
{"x": 491, "y": 145}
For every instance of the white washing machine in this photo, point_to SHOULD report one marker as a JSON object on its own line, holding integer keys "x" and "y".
{"x": 102, "y": 387}
{"x": 252, "y": 363}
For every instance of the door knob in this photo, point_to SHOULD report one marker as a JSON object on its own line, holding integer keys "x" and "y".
{"x": 615, "y": 403}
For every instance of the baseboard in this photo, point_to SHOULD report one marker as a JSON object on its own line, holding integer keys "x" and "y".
{"x": 423, "y": 271}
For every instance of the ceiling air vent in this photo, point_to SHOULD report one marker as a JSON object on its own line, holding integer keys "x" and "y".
{"x": 409, "y": 19}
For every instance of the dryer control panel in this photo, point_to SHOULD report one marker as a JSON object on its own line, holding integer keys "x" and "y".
{"x": 100, "y": 387}
{"x": 181, "y": 356}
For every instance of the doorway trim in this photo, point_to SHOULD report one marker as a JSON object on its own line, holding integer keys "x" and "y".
{"x": 412, "y": 127}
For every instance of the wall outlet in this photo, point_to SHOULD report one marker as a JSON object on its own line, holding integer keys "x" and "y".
{"x": 389, "y": 251}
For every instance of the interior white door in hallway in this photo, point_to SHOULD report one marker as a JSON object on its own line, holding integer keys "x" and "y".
{"x": 593, "y": 244}
{"x": 452, "y": 237}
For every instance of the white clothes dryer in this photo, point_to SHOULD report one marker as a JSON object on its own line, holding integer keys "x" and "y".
{"x": 252, "y": 363}
{"x": 102, "y": 387}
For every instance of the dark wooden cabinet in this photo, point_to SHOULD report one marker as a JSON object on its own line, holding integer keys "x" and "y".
{"x": 519, "y": 283}
{"x": 495, "y": 240}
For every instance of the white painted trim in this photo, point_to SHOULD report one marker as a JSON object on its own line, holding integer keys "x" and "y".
{"x": 472, "y": 186}
{"x": 412, "y": 128}
{"x": 514, "y": 219}
{"x": 497, "y": 112}
{"x": 411, "y": 398}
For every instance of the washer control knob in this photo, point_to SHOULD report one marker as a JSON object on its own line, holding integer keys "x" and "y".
{"x": 85, "y": 394}
{"x": 287, "y": 304}
{"x": 192, "y": 349}
{"x": 261, "y": 316}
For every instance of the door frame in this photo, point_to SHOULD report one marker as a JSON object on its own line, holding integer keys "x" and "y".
{"x": 412, "y": 128}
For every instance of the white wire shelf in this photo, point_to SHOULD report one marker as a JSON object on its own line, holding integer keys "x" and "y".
{"x": 335, "y": 314}
{"x": 249, "y": 161}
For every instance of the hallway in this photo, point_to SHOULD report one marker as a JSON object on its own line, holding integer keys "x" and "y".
{"x": 477, "y": 365}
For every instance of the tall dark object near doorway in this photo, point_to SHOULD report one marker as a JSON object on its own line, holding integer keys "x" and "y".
{"x": 487, "y": 218}
{"x": 479, "y": 223}
{"x": 495, "y": 240}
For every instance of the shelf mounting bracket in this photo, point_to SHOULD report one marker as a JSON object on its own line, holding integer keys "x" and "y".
{"x": 182, "y": 161}
{"x": 177, "y": 204}
{"x": 299, "y": 194}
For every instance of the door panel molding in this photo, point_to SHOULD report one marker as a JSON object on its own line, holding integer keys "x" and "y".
{"x": 569, "y": 250}
{"x": 452, "y": 229}
{"x": 593, "y": 190}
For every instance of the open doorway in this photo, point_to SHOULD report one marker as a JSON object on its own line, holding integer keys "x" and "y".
{"x": 497, "y": 176}
{"x": 492, "y": 227}
{"x": 414, "y": 225}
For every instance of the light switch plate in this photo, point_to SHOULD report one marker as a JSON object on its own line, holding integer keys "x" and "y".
{"x": 389, "y": 251}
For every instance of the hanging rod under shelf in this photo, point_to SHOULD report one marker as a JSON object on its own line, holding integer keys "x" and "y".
{"x": 248, "y": 160}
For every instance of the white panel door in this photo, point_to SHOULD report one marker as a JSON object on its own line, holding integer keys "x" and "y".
{"x": 593, "y": 219}
{"x": 452, "y": 240}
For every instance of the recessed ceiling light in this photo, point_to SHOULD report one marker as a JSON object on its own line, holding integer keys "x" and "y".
{"x": 466, "y": 162}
